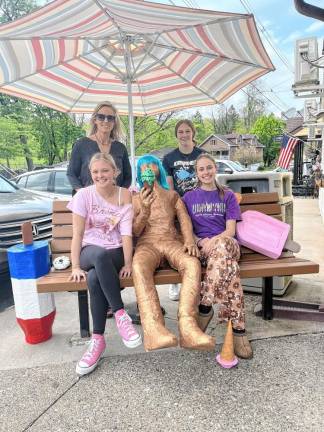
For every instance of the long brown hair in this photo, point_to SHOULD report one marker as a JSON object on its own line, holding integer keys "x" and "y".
{"x": 221, "y": 188}
{"x": 117, "y": 132}
{"x": 188, "y": 123}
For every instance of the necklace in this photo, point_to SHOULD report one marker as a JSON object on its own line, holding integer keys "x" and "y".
{"x": 102, "y": 145}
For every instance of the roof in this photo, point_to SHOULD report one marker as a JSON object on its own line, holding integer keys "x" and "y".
{"x": 220, "y": 137}
{"x": 293, "y": 123}
{"x": 227, "y": 139}
{"x": 160, "y": 153}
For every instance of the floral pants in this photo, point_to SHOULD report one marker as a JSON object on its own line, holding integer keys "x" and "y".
{"x": 222, "y": 284}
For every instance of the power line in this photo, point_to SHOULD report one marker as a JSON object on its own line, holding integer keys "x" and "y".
{"x": 267, "y": 36}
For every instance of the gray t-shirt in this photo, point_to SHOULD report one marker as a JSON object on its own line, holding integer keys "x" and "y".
{"x": 78, "y": 171}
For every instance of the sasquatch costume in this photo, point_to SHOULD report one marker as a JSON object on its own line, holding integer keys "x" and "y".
{"x": 158, "y": 240}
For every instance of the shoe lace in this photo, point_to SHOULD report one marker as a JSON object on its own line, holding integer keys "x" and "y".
{"x": 125, "y": 323}
{"x": 92, "y": 349}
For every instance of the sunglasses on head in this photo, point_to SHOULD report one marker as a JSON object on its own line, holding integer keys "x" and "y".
{"x": 103, "y": 117}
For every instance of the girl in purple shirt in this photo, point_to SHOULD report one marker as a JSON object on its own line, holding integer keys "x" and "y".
{"x": 101, "y": 252}
{"x": 214, "y": 211}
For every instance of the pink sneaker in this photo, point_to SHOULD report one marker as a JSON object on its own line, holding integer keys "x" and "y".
{"x": 91, "y": 357}
{"x": 126, "y": 329}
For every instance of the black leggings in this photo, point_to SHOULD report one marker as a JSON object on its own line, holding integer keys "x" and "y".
{"x": 103, "y": 266}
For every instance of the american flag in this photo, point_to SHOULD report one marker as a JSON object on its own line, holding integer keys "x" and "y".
{"x": 287, "y": 148}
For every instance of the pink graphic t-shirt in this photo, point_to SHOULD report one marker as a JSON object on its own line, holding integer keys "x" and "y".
{"x": 105, "y": 223}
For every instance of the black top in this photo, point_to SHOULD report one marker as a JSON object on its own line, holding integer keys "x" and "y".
{"x": 181, "y": 167}
{"x": 78, "y": 171}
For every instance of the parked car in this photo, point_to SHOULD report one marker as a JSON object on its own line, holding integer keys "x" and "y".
{"x": 16, "y": 207}
{"x": 225, "y": 166}
{"x": 52, "y": 182}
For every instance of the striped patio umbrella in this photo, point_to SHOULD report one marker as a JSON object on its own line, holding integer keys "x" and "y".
{"x": 145, "y": 58}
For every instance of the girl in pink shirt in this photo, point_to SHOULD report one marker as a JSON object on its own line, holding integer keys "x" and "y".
{"x": 101, "y": 252}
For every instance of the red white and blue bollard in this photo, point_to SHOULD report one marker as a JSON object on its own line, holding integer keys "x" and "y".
{"x": 35, "y": 312}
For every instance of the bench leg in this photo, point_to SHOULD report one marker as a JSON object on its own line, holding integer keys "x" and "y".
{"x": 267, "y": 291}
{"x": 84, "y": 314}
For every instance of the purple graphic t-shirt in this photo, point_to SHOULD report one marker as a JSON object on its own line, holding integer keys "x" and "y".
{"x": 209, "y": 213}
{"x": 105, "y": 223}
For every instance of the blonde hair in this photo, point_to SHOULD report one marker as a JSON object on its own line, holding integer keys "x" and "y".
{"x": 117, "y": 132}
{"x": 106, "y": 157}
{"x": 221, "y": 188}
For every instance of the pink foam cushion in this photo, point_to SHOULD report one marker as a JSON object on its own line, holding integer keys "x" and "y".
{"x": 262, "y": 233}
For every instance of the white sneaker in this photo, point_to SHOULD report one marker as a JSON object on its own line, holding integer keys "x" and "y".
{"x": 174, "y": 292}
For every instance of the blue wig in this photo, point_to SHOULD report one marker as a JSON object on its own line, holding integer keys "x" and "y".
{"x": 150, "y": 159}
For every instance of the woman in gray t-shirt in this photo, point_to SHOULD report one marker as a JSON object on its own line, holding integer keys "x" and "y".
{"x": 104, "y": 137}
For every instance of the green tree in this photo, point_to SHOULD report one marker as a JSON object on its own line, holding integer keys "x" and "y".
{"x": 151, "y": 132}
{"x": 13, "y": 9}
{"x": 254, "y": 108}
{"x": 266, "y": 128}
{"x": 225, "y": 120}
{"x": 56, "y": 132}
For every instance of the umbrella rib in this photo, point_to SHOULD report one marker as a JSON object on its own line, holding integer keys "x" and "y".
{"x": 152, "y": 42}
{"x": 210, "y": 55}
{"x": 108, "y": 15}
{"x": 143, "y": 71}
{"x": 204, "y": 23}
{"x": 184, "y": 79}
{"x": 83, "y": 92}
{"x": 109, "y": 61}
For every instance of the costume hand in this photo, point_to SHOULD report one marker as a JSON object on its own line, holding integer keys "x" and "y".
{"x": 147, "y": 196}
{"x": 77, "y": 275}
{"x": 126, "y": 271}
{"x": 192, "y": 249}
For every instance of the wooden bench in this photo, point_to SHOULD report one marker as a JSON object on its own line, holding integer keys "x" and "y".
{"x": 252, "y": 264}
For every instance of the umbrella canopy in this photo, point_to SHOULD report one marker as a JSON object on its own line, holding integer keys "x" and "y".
{"x": 145, "y": 58}
{"x": 71, "y": 54}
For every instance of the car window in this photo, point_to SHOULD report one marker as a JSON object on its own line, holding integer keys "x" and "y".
{"x": 62, "y": 184}
{"x": 22, "y": 181}
{"x": 6, "y": 186}
{"x": 236, "y": 167}
{"x": 221, "y": 167}
{"x": 38, "y": 181}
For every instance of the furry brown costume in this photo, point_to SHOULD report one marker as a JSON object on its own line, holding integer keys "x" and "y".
{"x": 158, "y": 239}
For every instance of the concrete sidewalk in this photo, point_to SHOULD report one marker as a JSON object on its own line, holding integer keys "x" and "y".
{"x": 280, "y": 389}
{"x": 172, "y": 389}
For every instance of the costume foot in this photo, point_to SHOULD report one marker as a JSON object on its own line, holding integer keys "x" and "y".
{"x": 191, "y": 337}
{"x": 158, "y": 338}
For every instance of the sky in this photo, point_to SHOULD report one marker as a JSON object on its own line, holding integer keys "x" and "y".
{"x": 279, "y": 23}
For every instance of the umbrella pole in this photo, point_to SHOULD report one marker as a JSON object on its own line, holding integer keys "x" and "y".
{"x": 131, "y": 131}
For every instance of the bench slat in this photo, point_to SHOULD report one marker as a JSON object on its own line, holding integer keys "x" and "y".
{"x": 58, "y": 281}
{"x": 263, "y": 197}
{"x": 60, "y": 231}
{"x": 61, "y": 245}
{"x": 269, "y": 209}
{"x": 60, "y": 206}
{"x": 62, "y": 218}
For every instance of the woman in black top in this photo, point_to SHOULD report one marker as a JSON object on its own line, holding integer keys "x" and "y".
{"x": 104, "y": 137}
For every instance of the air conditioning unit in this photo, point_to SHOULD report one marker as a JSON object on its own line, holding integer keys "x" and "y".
{"x": 310, "y": 110}
{"x": 305, "y": 72}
